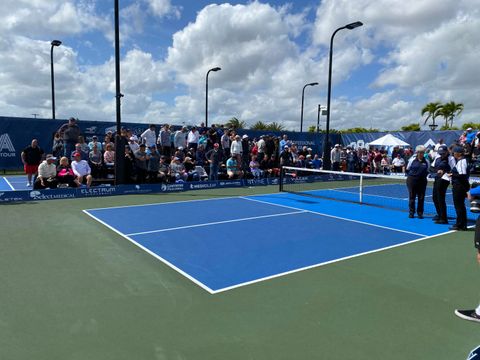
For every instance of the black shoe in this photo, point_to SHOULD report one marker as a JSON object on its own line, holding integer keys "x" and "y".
{"x": 420, "y": 216}
{"x": 435, "y": 218}
{"x": 458, "y": 228}
{"x": 440, "y": 221}
{"x": 410, "y": 216}
{"x": 470, "y": 315}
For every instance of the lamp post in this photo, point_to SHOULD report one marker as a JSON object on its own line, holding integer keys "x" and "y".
{"x": 206, "y": 94}
{"x": 318, "y": 117}
{"x": 53, "y": 43}
{"x": 303, "y": 98}
{"x": 326, "y": 148}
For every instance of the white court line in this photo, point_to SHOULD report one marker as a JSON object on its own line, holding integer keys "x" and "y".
{"x": 325, "y": 263}
{"x": 166, "y": 262}
{"x": 169, "y": 202}
{"x": 8, "y": 183}
{"x": 216, "y": 223}
{"x": 339, "y": 217}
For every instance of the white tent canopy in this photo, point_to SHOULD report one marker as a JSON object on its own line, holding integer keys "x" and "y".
{"x": 388, "y": 140}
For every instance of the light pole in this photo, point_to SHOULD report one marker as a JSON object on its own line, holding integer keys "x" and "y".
{"x": 206, "y": 94}
{"x": 318, "y": 117}
{"x": 326, "y": 148}
{"x": 303, "y": 98}
{"x": 53, "y": 43}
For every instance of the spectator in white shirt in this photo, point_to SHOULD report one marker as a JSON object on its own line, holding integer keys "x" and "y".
{"x": 47, "y": 172}
{"x": 192, "y": 138}
{"x": 398, "y": 164}
{"x": 149, "y": 137}
{"x": 81, "y": 169}
{"x": 236, "y": 149}
{"x": 180, "y": 138}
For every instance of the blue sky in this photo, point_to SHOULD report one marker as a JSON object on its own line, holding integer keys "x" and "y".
{"x": 407, "y": 54}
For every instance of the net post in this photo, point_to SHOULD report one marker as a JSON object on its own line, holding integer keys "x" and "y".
{"x": 360, "y": 190}
{"x": 280, "y": 189}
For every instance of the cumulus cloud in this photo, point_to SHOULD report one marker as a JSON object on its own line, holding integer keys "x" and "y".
{"x": 161, "y": 8}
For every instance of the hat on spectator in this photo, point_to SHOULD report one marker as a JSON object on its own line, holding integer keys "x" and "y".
{"x": 216, "y": 145}
{"x": 50, "y": 157}
{"x": 285, "y": 147}
{"x": 442, "y": 149}
{"x": 469, "y": 129}
{"x": 420, "y": 148}
{"x": 176, "y": 159}
{"x": 458, "y": 149}
{"x": 133, "y": 138}
{"x": 94, "y": 137}
{"x": 245, "y": 136}
{"x": 180, "y": 148}
{"x": 337, "y": 145}
{"x": 76, "y": 153}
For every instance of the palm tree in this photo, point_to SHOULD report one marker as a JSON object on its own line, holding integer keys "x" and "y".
{"x": 432, "y": 110}
{"x": 275, "y": 127}
{"x": 449, "y": 111}
{"x": 259, "y": 125}
{"x": 234, "y": 123}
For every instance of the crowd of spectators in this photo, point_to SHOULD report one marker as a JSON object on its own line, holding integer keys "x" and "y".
{"x": 163, "y": 154}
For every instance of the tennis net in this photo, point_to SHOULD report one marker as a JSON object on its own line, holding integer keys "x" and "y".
{"x": 388, "y": 191}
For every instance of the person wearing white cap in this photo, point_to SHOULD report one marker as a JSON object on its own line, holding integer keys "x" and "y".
{"x": 417, "y": 172}
{"x": 47, "y": 172}
{"x": 335, "y": 157}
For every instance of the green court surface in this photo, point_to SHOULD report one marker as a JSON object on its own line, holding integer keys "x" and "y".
{"x": 70, "y": 288}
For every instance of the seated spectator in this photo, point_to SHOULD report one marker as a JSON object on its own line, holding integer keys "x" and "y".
{"x": 83, "y": 145}
{"x": 398, "y": 164}
{"x": 177, "y": 170}
{"x": 47, "y": 173}
{"x": 65, "y": 175}
{"x": 255, "y": 168}
{"x": 385, "y": 164}
{"x": 95, "y": 161}
{"x": 308, "y": 162}
{"x": 78, "y": 149}
{"x": 82, "y": 170}
{"x": 109, "y": 155}
{"x": 200, "y": 155}
{"x": 190, "y": 168}
{"x": 317, "y": 162}
{"x": 233, "y": 170}
{"x": 163, "y": 169}
{"x": 269, "y": 166}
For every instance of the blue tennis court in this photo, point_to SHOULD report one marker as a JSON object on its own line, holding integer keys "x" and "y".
{"x": 221, "y": 244}
{"x": 14, "y": 182}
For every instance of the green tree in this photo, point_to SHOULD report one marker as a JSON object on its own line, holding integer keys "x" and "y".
{"x": 432, "y": 110}
{"x": 234, "y": 123}
{"x": 448, "y": 127}
{"x": 259, "y": 125}
{"x": 275, "y": 127}
{"x": 470, "y": 125}
{"x": 358, "y": 130}
{"x": 312, "y": 129}
{"x": 449, "y": 111}
{"x": 411, "y": 127}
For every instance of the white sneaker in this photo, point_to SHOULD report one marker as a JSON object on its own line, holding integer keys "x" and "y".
{"x": 29, "y": 185}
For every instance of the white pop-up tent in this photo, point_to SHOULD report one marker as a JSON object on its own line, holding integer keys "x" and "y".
{"x": 388, "y": 140}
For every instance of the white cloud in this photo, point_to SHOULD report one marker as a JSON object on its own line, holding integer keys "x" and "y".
{"x": 161, "y": 8}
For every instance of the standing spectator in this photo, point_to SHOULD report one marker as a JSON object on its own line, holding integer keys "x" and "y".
{"x": 213, "y": 137}
{"x": 214, "y": 158}
{"x": 180, "y": 138}
{"x": 149, "y": 136}
{"x": 31, "y": 158}
{"x": 57, "y": 146}
{"x": 70, "y": 132}
{"x": 141, "y": 164}
{"x": 153, "y": 166}
{"x": 200, "y": 155}
{"x": 284, "y": 142}
{"x": 417, "y": 171}
{"x": 262, "y": 148}
{"x": 164, "y": 141}
{"x": 442, "y": 165}
{"x": 133, "y": 144}
{"x": 163, "y": 169}
{"x": 94, "y": 142}
{"x": 335, "y": 157}
{"x": 460, "y": 187}
{"x": 470, "y": 136}
{"x": 473, "y": 314}
{"x": 236, "y": 148}
{"x": 47, "y": 172}
{"x": 82, "y": 170}
{"x": 255, "y": 168}
{"x": 225, "y": 143}
{"x": 351, "y": 159}
{"x": 192, "y": 138}
{"x": 245, "y": 152}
